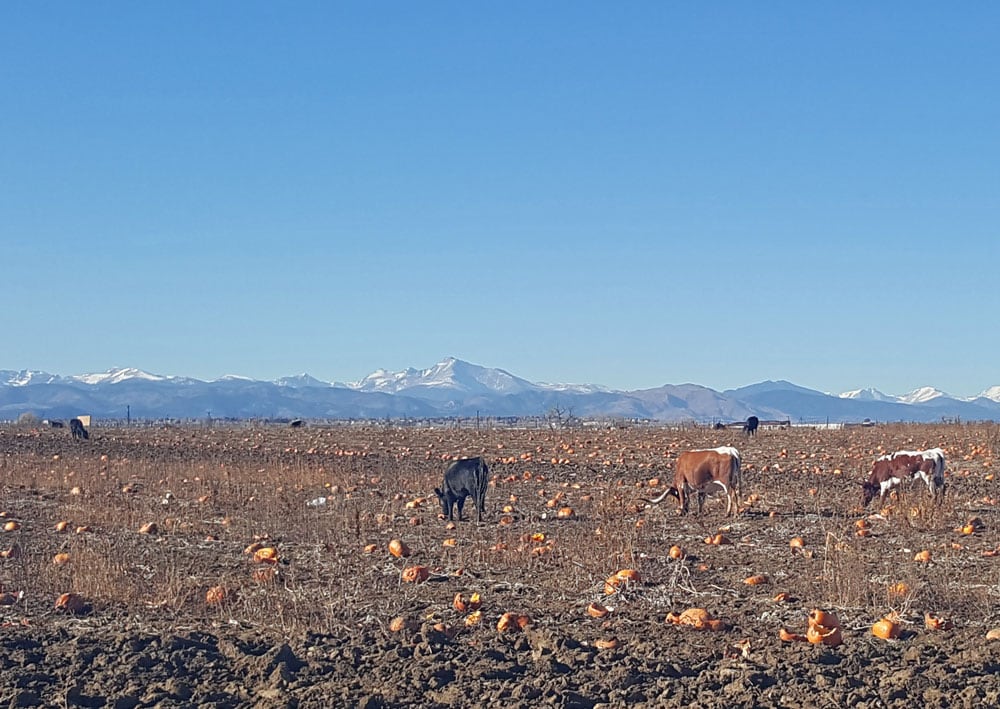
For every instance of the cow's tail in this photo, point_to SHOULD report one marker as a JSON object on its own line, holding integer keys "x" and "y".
{"x": 938, "y": 455}
{"x": 666, "y": 493}
{"x": 734, "y": 472}
{"x": 482, "y": 484}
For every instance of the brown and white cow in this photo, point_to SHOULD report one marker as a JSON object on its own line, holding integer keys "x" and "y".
{"x": 891, "y": 470}
{"x": 704, "y": 471}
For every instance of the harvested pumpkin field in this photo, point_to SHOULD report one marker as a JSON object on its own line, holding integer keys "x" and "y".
{"x": 271, "y": 566}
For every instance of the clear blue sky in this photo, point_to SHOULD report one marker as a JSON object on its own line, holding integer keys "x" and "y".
{"x": 624, "y": 194}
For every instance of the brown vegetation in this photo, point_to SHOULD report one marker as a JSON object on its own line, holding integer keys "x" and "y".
{"x": 200, "y": 497}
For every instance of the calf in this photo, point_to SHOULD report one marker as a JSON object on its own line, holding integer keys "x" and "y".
{"x": 702, "y": 471}
{"x": 891, "y": 470}
{"x": 77, "y": 430}
{"x": 465, "y": 477}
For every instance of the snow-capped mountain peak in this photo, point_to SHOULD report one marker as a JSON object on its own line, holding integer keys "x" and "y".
{"x": 993, "y": 394}
{"x": 301, "y": 381}
{"x": 922, "y": 395}
{"x": 448, "y": 374}
{"x": 116, "y": 375}
{"x": 868, "y": 394}
{"x": 25, "y": 377}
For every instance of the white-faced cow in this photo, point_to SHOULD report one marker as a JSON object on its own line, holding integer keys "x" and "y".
{"x": 705, "y": 471}
{"x": 464, "y": 478}
{"x": 891, "y": 470}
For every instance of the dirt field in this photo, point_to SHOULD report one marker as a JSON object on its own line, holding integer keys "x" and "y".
{"x": 315, "y": 626}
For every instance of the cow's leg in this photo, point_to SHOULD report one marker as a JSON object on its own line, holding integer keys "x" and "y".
{"x": 460, "y": 502}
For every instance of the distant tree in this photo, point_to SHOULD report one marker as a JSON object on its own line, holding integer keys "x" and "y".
{"x": 27, "y": 419}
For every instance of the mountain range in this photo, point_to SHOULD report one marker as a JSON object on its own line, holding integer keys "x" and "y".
{"x": 455, "y": 388}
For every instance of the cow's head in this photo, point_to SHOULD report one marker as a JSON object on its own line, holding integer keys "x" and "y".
{"x": 868, "y": 492}
{"x": 443, "y": 499}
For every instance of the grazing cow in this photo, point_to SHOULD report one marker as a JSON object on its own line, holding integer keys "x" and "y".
{"x": 750, "y": 427}
{"x": 704, "y": 471}
{"x": 297, "y": 423}
{"x": 76, "y": 428}
{"x": 56, "y": 424}
{"x": 465, "y": 477}
{"x": 891, "y": 470}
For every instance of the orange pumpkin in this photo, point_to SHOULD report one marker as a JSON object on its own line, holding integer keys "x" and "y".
{"x": 596, "y": 610}
{"x": 216, "y": 595}
{"x": 755, "y": 580}
{"x": 608, "y": 644}
{"x": 507, "y": 623}
{"x": 887, "y": 629}
{"x": 922, "y": 556}
{"x": 788, "y": 636}
{"x": 933, "y": 622}
{"x": 266, "y": 555}
{"x": 475, "y": 602}
{"x": 628, "y": 575}
{"x": 473, "y": 619}
{"x": 71, "y": 603}
{"x": 60, "y": 559}
{"x": 676, "y": 552}
{"x": 398, "y": 548}
{"x": 415, "y": 574}
{"x": 823, "y": 618}
{"x": 825, "y": 635}
{"x": 796, "y": 543}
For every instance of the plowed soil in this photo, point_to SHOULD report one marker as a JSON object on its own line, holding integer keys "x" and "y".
{"x": 315, "y": 627}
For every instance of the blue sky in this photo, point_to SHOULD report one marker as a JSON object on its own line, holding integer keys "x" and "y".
{"x": 574, "y": 192}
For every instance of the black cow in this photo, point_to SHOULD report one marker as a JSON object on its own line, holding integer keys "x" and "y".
{"x": 77, "y": 429}
{"x": 56, "y": 424}
{"x": 750, "y": 427}
{"x": 465, "y": 477}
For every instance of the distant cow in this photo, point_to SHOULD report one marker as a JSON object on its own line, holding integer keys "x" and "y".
{"x": 76, "y": 428}
{"x": 56, "y": 424}
{"x": 464, "y": 478}
{"x": 704, "y": 471}
{"x": 297, "y": 423}
{"x": 888, "y": 471}
{"x": 750, "y": 427}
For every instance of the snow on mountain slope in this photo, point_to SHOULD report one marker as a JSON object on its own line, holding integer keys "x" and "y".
{"x": 117, "y": 375}
{"x": 25, "y": 377}
{"x": 993, "y": 394}
{"x": 922, "y": 395}
{"x": 869, "y": 394}
{"x": 450, "y": 373}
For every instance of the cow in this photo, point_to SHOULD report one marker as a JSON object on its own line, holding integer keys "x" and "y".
{"x": 750, "y": 427}
{"x": 77, "y": 430}
{"x": 704, "y": 471}
{"x": 56, "y": 424}
{"x": 892, "y": 469}
{"x": 464, "y": 478}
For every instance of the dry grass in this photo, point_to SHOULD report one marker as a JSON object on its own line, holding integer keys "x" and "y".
{"x": 213, "y": 491}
